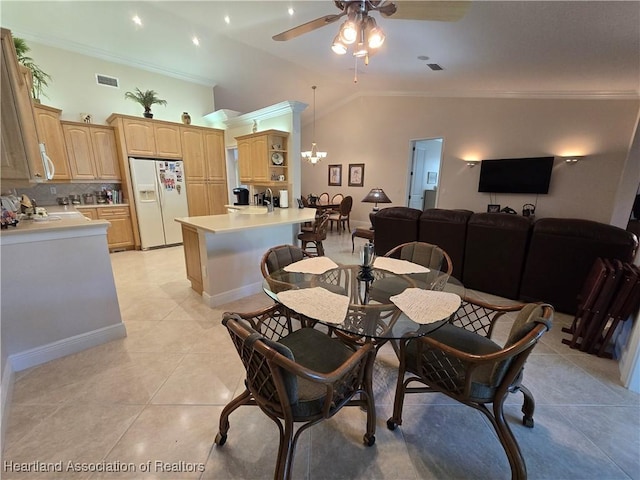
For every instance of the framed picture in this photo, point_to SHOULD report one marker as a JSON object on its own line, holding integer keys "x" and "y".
{"x": 335, "y": 175}
{"x": 432, "y": 177}
{"x": 356, "y": 174}
{"x": 492, "y": 208}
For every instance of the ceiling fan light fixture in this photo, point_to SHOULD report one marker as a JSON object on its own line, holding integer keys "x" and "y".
{"x": 349, "y": 32}
{"x": 375, "y": 35}
{"x": 338, "y": 47}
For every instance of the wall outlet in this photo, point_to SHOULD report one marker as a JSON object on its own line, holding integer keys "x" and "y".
{"x": 53, "y": 190}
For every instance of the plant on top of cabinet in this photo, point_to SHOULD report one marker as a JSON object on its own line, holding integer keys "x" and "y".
{"x": 40, "y": 77}
{"x": 146, "y": 99}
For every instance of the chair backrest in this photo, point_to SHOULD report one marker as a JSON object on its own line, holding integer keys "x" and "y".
{"x": 424, "y": 254}
{"x": 279, "y": 257}
{"x": 337, "y": 199}
{"x": 345, "y": 206}
{"x": 305, "y": 201}
{"x": 272, "y": 386}
{"x": 320, "y": 227}
{"x": 323, "y": 199}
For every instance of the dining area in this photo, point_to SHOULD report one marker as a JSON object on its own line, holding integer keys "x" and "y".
{"x": 314, "y": 350}
{"x": 159, "y": 394}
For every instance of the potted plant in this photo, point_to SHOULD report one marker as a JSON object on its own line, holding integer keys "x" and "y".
{"x": 146, "y": 99}
{"x": 39, "y": 77}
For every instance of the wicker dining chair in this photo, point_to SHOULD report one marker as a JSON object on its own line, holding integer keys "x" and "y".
{"x": 461, "y": 361}
{"x": 295, "y": 374}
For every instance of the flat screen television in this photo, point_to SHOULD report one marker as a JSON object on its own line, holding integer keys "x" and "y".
{"x": 516, "y": 175}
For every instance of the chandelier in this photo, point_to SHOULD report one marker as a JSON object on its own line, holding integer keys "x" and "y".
{"x": 313, "y": 156}
{"x": 359, "y": 30}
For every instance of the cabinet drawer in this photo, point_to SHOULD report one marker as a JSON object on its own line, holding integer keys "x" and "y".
{"x": 106, "y": 213}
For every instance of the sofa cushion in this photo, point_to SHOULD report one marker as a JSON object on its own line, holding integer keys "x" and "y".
{"x": 394, "y": 226}
{"x": 495, "y": 253}
{"x": 448, "y": 230}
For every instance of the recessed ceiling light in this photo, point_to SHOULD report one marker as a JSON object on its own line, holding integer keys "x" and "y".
{"x": 136, "y": 19}
{"x": 291, "y": 11}
{"x": 195, "y": 41}
{"x": 227, "y": 20}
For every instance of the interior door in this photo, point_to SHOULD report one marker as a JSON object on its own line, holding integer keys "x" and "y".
{"x": 425, "y": 173}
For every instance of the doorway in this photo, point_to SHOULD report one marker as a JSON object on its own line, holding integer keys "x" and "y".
{"x": 424, "y": 173}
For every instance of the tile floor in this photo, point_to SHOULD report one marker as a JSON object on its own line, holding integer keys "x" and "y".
{"x": 147, "y": 406}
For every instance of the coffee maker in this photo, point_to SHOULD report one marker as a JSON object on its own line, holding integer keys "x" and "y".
{"x": 242, "y": 195}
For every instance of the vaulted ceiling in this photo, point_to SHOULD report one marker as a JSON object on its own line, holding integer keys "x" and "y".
{"x": 504, "y": 48}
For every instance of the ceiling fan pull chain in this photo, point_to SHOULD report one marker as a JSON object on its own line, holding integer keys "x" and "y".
{"x": 355, "y": 75}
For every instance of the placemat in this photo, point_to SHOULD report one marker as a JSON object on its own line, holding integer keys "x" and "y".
{"x": 395, "y": 265}
{"x": 426, "y": 306}
{"x": 317, "y": 303}
{"x": 316, "y": 265}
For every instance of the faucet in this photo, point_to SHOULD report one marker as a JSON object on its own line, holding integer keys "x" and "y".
{"x": 270, "y": 204}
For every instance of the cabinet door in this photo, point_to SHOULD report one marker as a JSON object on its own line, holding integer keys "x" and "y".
{"x": 260, "y": 159}
{"x": 120, "y": 233}
{"x": 217, "y": 198}
{"x": 19, "y": 155}
{"x": 193, "y": 155}
{"x": 216, "y": 160}
{"x": 138, "y": 135}
{"x": 79, "y": 152}
{"x": 50, "y": 133}
{"x": 168, "y": 140}
{"x": 244, "y": 160}
{"x": 191, "y": 246}
{"x": 197, "y": 199}
{"x": 106, "y": 153}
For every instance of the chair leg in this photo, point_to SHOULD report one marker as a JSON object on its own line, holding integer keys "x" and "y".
{"x": 240, "y": 400}
{"x": 528, "y": 407}
{"x": 286, "y": 450}
{"x": 398, "y": 402}
{"x": 508, "y": 441}
{"x": 320, "y": 248}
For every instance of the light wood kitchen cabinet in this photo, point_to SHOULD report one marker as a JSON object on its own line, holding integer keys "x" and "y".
{"x": 205, "y": 170}
{"x": 92, "y": 152}
{"x": 262, "y": 158}
{"x": 150, "y": 138}
{"x": 120, "y": 234}
{"x": 50, "y": 133}
{"x": 191, "y": 247}
{"x": 90, "y": 213}
{"x": 20, "y": 158}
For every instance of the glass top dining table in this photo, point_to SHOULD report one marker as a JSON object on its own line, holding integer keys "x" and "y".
{"x": 371, "y": 311}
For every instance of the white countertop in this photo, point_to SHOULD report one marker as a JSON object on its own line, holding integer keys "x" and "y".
{"x": 63, "y": 221}
{"x": 236, "y": 222}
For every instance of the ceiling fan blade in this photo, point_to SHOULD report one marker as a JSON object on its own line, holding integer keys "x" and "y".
{"x": 442, "y": 11}
{"x": 307, "y": 27}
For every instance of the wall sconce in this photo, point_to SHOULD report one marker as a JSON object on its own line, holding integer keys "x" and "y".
{"x": 572, "y": 160}
{"x": 472, "y": 163}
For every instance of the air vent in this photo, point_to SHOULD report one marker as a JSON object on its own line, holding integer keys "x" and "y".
{"x": 434, "y": 66}
{"x": 107, "y": 81}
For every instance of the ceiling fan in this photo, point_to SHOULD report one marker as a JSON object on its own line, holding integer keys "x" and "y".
{"x": 361, "y": 29}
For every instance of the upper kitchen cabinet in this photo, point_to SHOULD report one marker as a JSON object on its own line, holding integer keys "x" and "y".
{"x": 262, "y": 158}
{"x": 51, "y": 135}
{"x": 20, "y": 158}
{"x": 205, "y": 170}
{"x": 149, "y": 138}
{"x": 92, "y": 152}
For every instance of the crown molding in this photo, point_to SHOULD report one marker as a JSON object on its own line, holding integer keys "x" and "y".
{"x": 277, "y": 110}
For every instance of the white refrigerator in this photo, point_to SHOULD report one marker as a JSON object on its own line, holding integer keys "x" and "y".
{"x": 160, "y": 195}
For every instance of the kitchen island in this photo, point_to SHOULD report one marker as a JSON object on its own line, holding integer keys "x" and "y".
{"x": 58, "y": 291}
{"x": 223, "y": 252}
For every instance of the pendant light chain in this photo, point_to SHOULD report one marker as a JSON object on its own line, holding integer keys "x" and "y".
{"x": 313, "y": 156}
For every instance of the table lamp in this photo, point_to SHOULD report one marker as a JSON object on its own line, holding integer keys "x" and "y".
{"x": 376, "y": 195}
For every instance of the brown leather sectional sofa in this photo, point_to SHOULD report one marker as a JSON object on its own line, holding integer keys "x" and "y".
{"x": 509, "y": 255}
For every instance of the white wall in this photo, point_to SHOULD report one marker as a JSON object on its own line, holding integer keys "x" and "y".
{"x": 73, "y": 88}
{"x": 377, "y": 131}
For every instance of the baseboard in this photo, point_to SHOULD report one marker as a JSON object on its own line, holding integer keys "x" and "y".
{"x": 232, "y": 295}
{"x": 67, "y": 346}
{"x": 6, "y": 389}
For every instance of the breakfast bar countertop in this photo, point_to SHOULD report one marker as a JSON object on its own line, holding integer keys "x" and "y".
{"x": 249, "y": 218}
